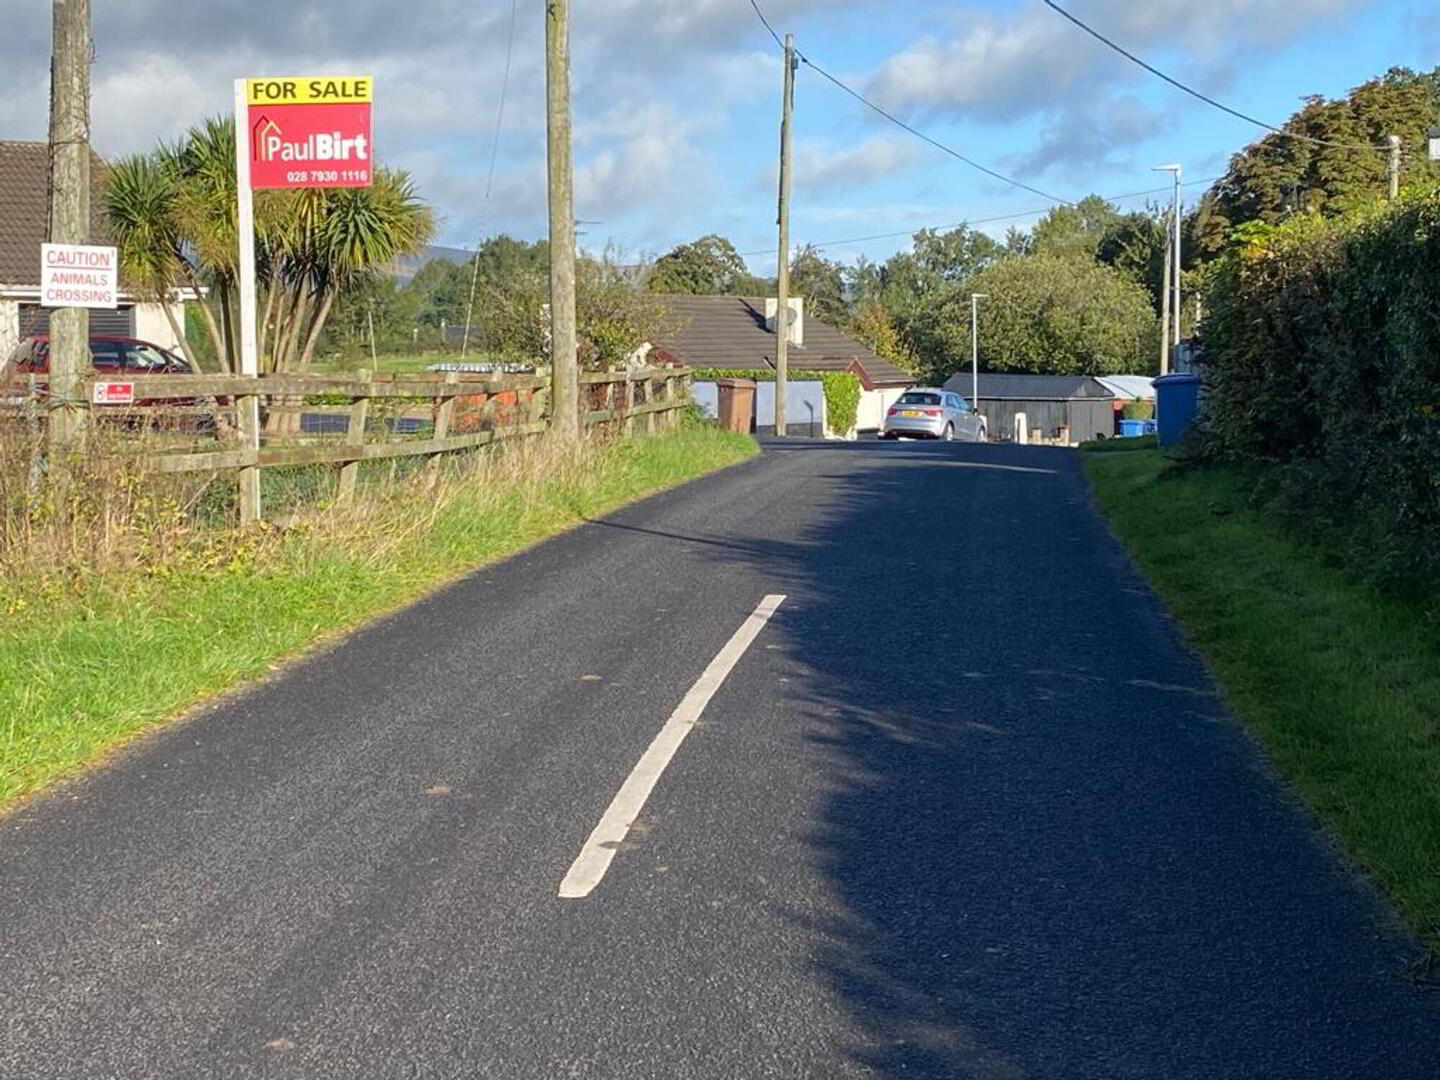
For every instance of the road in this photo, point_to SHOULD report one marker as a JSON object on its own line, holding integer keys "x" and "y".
{"x": 962, "y": 806}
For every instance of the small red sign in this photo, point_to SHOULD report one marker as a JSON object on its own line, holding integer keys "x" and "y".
{"x": 114, "y": 393}
{"x": 310, "y": 145}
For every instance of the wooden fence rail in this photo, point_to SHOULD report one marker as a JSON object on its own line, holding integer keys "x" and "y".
{"x": 261, "y": 422}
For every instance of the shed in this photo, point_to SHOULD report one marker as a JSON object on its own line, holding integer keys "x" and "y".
{"x": 1077, "y": 406}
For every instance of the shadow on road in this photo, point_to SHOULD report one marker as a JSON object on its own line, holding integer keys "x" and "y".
{"x": 1051, "y": 853}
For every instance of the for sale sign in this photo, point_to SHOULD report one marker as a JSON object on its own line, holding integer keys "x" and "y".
{"x": 310, "y": 131}
{"x": 79, "y": 275}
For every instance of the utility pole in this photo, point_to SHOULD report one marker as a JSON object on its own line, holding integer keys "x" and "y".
{"x": 1165, "y": 314}
{"x": 564, "y": 372}
{"x": 782, "y": 272}
{"x": 1170, "y": 333}
{"x": 1179, "y": 262}
{"x": 1394, "y": 141}
{"x": 975, "y": 349}
{"x": 69, "y": 219}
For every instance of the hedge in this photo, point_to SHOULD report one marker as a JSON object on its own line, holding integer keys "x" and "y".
{"x": 1322, "y": 345}
{"x": 842, "y": 390}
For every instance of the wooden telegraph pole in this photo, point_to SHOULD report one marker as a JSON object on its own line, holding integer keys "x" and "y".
{"x": 564, "y": 373}
{"x": 69, "y": 219}
{"x": 782, "y": 264}
{"x": 1394, "y": 141}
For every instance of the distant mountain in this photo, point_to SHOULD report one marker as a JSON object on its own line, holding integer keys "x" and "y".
{"x": 407, "y": 266}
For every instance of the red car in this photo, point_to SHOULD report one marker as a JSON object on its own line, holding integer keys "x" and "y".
{"x": 119, "y": 358}
{"x": 115, "y": 356}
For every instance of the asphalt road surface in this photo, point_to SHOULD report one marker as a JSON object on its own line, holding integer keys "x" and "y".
{"x": 962, "y": 805}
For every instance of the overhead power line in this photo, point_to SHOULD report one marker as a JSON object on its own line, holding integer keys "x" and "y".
{"x": 490, "y": 174}
{"x": 902, "y": 124}
{"x": 1207, "y": 100}
{"x": 824, "y": 244}
{"x": 766, "y": 21}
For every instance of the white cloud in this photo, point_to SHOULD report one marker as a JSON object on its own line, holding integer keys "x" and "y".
{"x": 821, "y": 165}
{"x": 1002, "y": 68}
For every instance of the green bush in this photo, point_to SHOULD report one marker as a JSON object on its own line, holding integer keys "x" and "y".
{"x": 1322, "y": 341}
{"x": 842, "y": 390}
{"x": 1138, "y": 410}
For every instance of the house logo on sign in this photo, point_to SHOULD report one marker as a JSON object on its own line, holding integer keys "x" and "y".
{"x": 261, "y": 134}
{"x": 269, "y": 144}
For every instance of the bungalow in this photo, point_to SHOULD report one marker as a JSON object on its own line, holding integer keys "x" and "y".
{"x": 737, "y": 333}
{"x": 24, "y": 226}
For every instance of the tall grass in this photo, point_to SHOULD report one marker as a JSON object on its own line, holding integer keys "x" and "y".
{"x": 99, "y": 645}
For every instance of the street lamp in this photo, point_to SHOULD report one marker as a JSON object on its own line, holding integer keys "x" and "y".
{"x": 1175, "y": 170}
{"x": 975, "y": 350}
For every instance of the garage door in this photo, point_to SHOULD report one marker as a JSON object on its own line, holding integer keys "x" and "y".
{"x": 104, "y": 322}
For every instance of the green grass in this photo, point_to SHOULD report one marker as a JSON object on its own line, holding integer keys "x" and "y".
{"x": 88, "y": 663}
{"x": 1340, "y": 683}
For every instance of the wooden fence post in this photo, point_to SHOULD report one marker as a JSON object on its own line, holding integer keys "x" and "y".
{"x": 248, "y": 415}
{"x": 445, "y": 413}
{"x": 628, "y": 426}
{"x": 535, "y": 413}
{"x": 354, "y": 436}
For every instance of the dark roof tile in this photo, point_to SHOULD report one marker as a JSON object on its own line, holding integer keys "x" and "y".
{"x": 25, "y": 208}
{"x": 729, "y": 332}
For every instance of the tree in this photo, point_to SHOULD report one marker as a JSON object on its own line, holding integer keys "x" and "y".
{"x": 1045, "y": 314}
{"x": 710, "y": 265}
{"x": 821, "y": 282}
{"x": 1136, "y": 244}
{"x": 140, "y": 201}
{"x": 875, "y": 327}
{"x": 173, "y": 213}
{"x": 1073, "y": 231}
{"x": 1278, "y": 175}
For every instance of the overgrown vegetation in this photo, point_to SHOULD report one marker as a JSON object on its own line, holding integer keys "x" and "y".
{"x": 1323, "y": 344}
{"x": 1340, "y": 682}
{"x": 116, "y": 632}
{"x": 841, "y": 388}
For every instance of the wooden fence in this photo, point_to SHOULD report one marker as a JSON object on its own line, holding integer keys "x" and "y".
{"x": 254, "y": 423}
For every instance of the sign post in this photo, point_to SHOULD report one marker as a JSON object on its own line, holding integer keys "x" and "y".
{"x": 290, "y": 132}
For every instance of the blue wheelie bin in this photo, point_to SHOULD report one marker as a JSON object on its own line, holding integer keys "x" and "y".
{"x": 1177, "y": 397}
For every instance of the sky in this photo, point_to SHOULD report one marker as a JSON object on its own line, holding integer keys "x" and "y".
{"x": 677, "y": 102}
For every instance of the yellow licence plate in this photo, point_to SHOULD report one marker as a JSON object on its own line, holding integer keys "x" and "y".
{"x": 910, "y": 412}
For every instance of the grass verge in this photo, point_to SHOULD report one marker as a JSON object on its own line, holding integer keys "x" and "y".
{"x": 1340, "y": 683}
{"x": 88, "y": 661}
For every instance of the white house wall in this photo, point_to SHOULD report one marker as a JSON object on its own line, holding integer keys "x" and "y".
{"x": 9, "y": 328}
{"x": 870, "y": 413}
{"x": 152, "y": 326}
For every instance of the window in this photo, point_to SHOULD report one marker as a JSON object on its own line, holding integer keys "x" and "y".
{"x": 912, "y": 397}
{"x": 105, "y": 355}
{"x": 152, "y": 361}
{"x": 963, "y": 404}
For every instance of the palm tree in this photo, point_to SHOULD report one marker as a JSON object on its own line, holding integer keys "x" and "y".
{"x": 140, "y": 208}
{"x": 174, "y": 212}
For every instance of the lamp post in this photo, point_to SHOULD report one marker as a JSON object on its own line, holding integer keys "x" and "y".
{"x": 1176, "y": 171}
{"x": 975, "y": 297}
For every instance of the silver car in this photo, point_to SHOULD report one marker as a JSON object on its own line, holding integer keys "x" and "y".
{"x": 925, "y": 413}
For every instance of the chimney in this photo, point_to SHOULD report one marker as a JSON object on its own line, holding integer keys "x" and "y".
{"x": 797, "y": 317}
